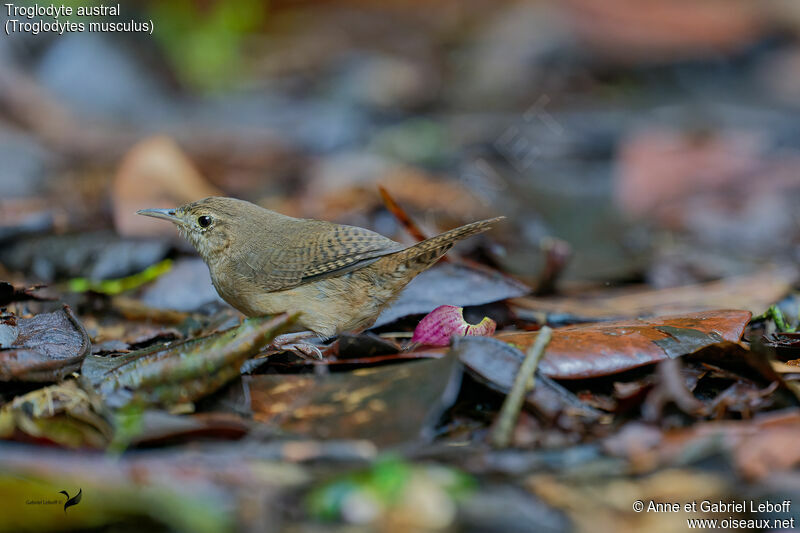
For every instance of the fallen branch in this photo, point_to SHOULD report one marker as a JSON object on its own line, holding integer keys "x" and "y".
{"x": 523, "y": 382}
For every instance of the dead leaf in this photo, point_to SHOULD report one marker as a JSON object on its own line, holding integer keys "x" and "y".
{"x": 181, "y": 372}
{"x": 660, "y": 169}
{"x": 601, "y": 349}
{"x": 451, "y": 284}
{"x": 186, "y": 287}
{"x": 771, "y": 445}
{"x": 745, "y": 398}
{"x": 343, "y": 184}
{"x": 497, "y": 363}
{"x": 96, "y": 255}
{"x": 603, "y": 504}
{"x": 387, "y": 405}
{"x": 154, "y": 173}
{"x": 161, "y": 427}
{"x": 754, "y": 292}
{"x": 757, "y": 447}
{"x": 47, "y": 347}
{"x": 661, "y": 30}
{"x": 65, "y": 414}
{"x": 786, "y": 344}
{"x": 9, "y": 293}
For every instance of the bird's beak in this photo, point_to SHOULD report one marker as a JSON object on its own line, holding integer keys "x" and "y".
{"x": 166, "y": 214}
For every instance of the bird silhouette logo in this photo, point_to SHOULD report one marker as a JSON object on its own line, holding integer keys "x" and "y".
{"x": 75, "y": 500}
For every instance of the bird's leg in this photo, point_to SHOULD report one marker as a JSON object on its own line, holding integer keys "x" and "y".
{"x": 292, "y": 342}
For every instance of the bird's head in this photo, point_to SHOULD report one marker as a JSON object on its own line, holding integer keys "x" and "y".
{"x": 208, "y": 224}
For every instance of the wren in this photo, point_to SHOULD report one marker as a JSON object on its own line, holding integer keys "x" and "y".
{"x": 339, "y": 278}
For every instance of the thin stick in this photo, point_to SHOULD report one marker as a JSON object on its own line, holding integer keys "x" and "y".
{"x": 523, "y": 382}
{"x": 400, "y": 214}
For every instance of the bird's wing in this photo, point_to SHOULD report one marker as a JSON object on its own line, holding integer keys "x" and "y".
{"x": 312, "y": 250}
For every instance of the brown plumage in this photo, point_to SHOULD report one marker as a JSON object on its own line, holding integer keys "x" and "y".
{"x": 338, "y": 277}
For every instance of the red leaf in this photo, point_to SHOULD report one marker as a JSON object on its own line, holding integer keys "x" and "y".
{"x": 600, "y": 349}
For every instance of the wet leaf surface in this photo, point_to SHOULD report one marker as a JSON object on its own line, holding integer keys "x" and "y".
{"x": 388, "y": 405}
{"x": 46, "y": 347}
{"x": 593, "y": 350}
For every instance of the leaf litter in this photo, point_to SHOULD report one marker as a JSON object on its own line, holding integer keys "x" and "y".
{"x": 666, "y": 390}
{"x": 175, "y": 388}
{"x": 158, "y": 382}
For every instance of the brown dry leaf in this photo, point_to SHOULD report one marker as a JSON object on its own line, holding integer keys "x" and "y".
{"x": 66, "y": 414}
{"x": 771, "y": 446}
{"x": 154, "y": 173}
{"x": 764, "y": 444}
{"x": 46, "y": 347}
{"x": 387, "y": 405}
{"x": 336, "y": 191}
{"x": 498, "y": 363}
{"x": 594, "y": 350}
{"x": 628, "y": 30}
{"x": 754, "y": 293}
{"x": 605, "y": 505}
{"x": 660, "y": 169}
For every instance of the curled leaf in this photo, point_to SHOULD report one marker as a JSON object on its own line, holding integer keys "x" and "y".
{"x": 46, "y": 347}
{"x": 66, "y": 414}
{"x": 448, "y": 320}
{"x": 168, "y": 375}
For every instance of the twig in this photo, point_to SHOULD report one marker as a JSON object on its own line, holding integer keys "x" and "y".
{"x": 401, "y": 215}
{"x": 523, "y": 382}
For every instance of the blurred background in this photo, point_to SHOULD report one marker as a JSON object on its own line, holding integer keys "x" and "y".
{"x": 658, "y": 139}
{"x": 632, "y": 144}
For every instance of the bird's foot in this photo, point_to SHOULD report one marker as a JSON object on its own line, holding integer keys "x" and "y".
{"x": 290, "y": 342}
{"x": 305, "y": 350}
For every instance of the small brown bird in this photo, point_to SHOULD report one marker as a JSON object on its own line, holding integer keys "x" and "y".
{"x": 338, "y": 277}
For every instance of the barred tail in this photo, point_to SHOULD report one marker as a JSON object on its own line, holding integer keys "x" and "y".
{"x": 429, "y": 250}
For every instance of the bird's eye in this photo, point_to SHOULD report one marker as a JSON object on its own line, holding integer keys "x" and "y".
{"x": 204, "y": 221}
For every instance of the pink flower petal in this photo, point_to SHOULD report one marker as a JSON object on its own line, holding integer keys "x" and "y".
{"x": 444, "y": 322}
